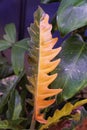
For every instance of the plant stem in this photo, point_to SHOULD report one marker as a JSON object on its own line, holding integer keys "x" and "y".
{"x": 32, "y": 127}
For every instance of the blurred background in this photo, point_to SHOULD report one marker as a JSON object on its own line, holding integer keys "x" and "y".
{"x": 21, "y": 12}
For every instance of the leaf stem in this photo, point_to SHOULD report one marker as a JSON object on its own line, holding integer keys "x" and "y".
{"x": 33, "y": 122}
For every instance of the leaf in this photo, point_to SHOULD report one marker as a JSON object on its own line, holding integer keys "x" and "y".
{"x": 4, "y": 125}
{"x": 65, "y": 111}
{"x": 4, "y": 98}
{"x": 18, "y": 106}
{"x": 49, "y": 1}
{"x": 4, "y": 45}
{"x": 11, "y": 104}
{"x": 7, "y": 91}
{"x": 18, "y": 52}
{"x": 23, "y": 93}
{"x": 10, "y": 31}
{"x": 14, "y": 106}
{"x": 9, "y": 124}
{"x": 79, "y": 124}
{"x": 5, "y": 68}
{"x": 41, "y": 55}
{"x": 71, "y": 15}
{"x": 73, "y": 68}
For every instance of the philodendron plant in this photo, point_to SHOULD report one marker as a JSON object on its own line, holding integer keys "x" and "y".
{"x": 44, "y": 98}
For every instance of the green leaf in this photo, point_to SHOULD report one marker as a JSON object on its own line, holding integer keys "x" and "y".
{"x": 10, "y": 31}
{"x": 18, "y": 51}
{"x": 72, "y": 70}
{"x": 4, "y": 45}
{"x": 5, "y": 97}
{"x": 4, "y": 125}
{"x": 23, "y": 44}
{"x": 17, "y": 107}
{"x": 5, "y": 68}
{"x": 7, "y": 91}
{"x": 11, "y": 124}
{"x": 23, "y": 92}
{"x": 71, "y": 15}
{"x": 14, "y": 106}
{"x": 49, "y": 1}
{"x": 11, "y": 105}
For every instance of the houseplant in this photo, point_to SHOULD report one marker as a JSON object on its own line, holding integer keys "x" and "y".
{"x": 17, "y": 105}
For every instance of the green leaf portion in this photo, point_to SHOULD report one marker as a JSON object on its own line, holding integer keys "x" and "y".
{"x": 4, "y": 45}
{"x": 17, "y": 59}
{"x": 7, "y": 90}
{"x": 10, "y": 31}
{"x": 71, "y": 15}
{"x": 5, "y": 68}
{"x": 18, "y": 106}
{"x": 11, "y": 124}
{"x": 5, "y": 97}
{"x": 18, "y": 52}
{"x": 11, "y": 104}
{"x": 34, "y": 46}
{"x": 5, "y": 125}
{"x": 11, "y": 98}
{"x": 18, "y": 48}
{"x": 72, "y": 71}
{"x": 14, "y": 106}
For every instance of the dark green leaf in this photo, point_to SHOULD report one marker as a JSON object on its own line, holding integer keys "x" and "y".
{"x": 17, "y": 107}
{"x": 7, "y": 91}
{"x": 72, "y": 14}
{"x": 2, "y": 88}
{"x": 16, "y": 101}
{"x": 5, "y": 68}
{"x": 5, "y": 125}
{"x": 17, "y": 121}
{"x": 23, "y": 44}
{"x": 49, "y": 1}
{"x": 4, "y": 45}
{"x": 18, "y": 51}
{"x": 11, "y": 124}
{"x": 10, "y": 31}
{"x": 81, "y": 31}
{"x": 4, "y": 98}
{"x": 24, "y": 92}
{"x": 73, "y": 67}
{"x": 11, "y": 104}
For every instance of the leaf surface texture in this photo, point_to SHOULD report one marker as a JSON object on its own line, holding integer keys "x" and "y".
{"x": 41, "y": 63}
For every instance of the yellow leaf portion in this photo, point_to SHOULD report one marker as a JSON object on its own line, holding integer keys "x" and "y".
{"x": 42, "y": 58}
{"x": 65, "y": 111}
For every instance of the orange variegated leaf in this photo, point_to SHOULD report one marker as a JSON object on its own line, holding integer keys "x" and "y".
{"x": 41, "y": 63}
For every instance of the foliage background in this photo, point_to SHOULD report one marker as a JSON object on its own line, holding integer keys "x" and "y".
{"x": 74, "y": 55}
